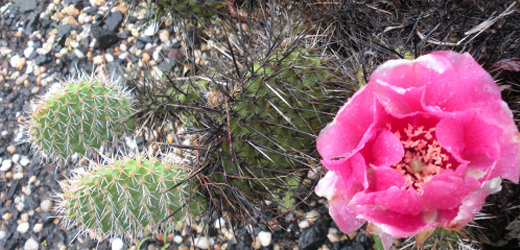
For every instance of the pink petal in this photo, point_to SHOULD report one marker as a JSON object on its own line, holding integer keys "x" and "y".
{"x": 396, "y": 224}
{"x": 508, "y": 164}
{"x": 395, "y": 199}
{"x": 386, "y": 178}
{"x": 447, "y": 190}
{"x": 470, "y": 206}
{"x": 387, "y": 149}
{"x": 332, "y": 187}
{"x": 398, "y": 101}
{"x": 351, "y": 127}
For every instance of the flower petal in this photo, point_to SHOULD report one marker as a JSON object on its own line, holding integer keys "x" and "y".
{"x": 447, "y": 190}
{"x": 395, "y": 199}
{"x": 394, "y": 223}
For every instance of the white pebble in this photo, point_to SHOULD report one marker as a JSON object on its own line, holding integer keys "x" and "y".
{"x": 152, "y": 29}
{"x": 303, "y": 224}
{"x": 220, "y": 223}
{"x": 122, "y": 56}
{"x": 123, "y": 47}
{"x": 312, "y": 216}
{"x": 31, "y": 244}
{"x": 46, "y": 205}
{"x": 98, "y": 60}
{"x": 117, "y": 244}
{"x": 201, "y": 242}
{"x": 109, "y": 57}
{"x": 14, "y": 61}
{"x": 156, "y": 55}
{"x": 38, "y": 227}
{"x": 79, "y": 54}
{"x": 265, "y": 238}
{"x": 82, "y": 18}
{"x": 27, "y": 52}
{"x": 164, "y": 36}
{"x": 5, "y": 51}
{"x": 24, "y": 217}
{"x": 23, "y": 227}
{"x": 25, "y": 161}
{"x": 6, "y": 165}
{"x": 2, "y": 234}
{"x": 177, "y": 239}
{"x": 15, "y": 158}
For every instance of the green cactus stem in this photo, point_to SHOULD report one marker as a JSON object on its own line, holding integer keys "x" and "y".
{"x": 80, "y": 117}
{"x": 129, "y": 197}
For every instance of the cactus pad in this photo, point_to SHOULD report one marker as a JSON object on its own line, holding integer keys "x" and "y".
{"x": 80, "y": 117}
{"x": 128, "y": 197}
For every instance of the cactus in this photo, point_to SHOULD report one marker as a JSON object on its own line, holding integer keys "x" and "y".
{"x": 129, "y": 196}
{"x": 80, "y": 117}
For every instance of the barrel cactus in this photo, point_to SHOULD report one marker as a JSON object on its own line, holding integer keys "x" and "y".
{"x": 80, "y": 116}
{"x": 130, "y": 196}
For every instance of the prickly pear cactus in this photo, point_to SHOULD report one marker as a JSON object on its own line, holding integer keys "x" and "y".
{"x": 129, "y": 196}
{"x": 80, "y": 117}
{"x": 277, "y": 110}
{"x": 201, "y": 8}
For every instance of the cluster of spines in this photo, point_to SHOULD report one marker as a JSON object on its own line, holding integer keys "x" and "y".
{"x": 129, "y": 196}
{"x": 80, "y": 117}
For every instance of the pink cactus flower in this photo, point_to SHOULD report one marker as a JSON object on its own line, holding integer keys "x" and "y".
{"x": 420, "y": 146}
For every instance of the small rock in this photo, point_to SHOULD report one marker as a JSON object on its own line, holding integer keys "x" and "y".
{"x": 201, "y": 242}
{"x": 38, "y": 227}
{"x": 164, "y": 36}
{"x": 151, "y": 29}
{"x": 21, "y": 64}
{"x": 28, "y": 51}
{"x": 24, "y": 217}
{"x": 146, "y": 57}
{"x": 333, "y": 237}
{"x": 11, "y": 149}
{"x": 7, "y": 216}
{"x": 98, "y": 60}
{"x": 6, "y": 165}
{"x": 46, "y": 205}
{"x": 304, "y": 224}
{"x": 31, "y": 244}
{"x": 312, "y": 215}
{"x": 15, "y": 158}
{"x": 117, "y": 244}
{"x": 2, "y": 234}
{"x": 178, "y": 239}
{"x": 123, "y": 47}
{"x": 79, "y": 54}
{"x": 82, "y": 18}
{"x": 25, "y": 160}
{"x": 109, "y": 58}
{"x": 265, "y": 238}
{"x": 35, "y": 90}
{"x": 15, "y": 60}
{"x": 23, "y": 227}
{"x": 100, "y": 2}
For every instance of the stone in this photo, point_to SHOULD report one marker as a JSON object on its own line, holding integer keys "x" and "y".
{"x": 31, "y": 244}
{"x": 104, "y": 38}
{"x": 46, "y": 205}
{"x": 201, "y": 242}
{"x": 114, "y": 20}
{"x": 11, "y": 149}
{"x": 164, "y": 36}
{"x": 26, "y": 5}
{"x": 7, "y": 216}
{"x": 6, "y": 165}
{"x": 38, "y": 227}
{"x": 313, "y": 237}
{"x": 79, "y": 54}
{"x": 151, "y": 29}
{"x": 117, "y": 244}
{"x": 177, "y": 239}
{"x": 146, "y": 57}
{"x": 265, "y": 238}
{"x": 312, "y": 215}
{"x": 23, "y": 227}
{"x": 15, "y": 60}
{"x": 98, "y": 60}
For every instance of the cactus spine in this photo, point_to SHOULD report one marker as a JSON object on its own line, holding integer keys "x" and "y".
{"x": 80, "y": 117}
{"x": 129, "y": 196}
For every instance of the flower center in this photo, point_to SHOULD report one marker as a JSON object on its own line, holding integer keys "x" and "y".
{"x": 424, "y": 157}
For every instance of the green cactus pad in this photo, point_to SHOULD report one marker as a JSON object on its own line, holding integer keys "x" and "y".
{"x": 129, "y": 197}
{"x": 80, "y": 117}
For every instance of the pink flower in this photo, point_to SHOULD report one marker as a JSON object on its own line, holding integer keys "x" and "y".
{"x": 420, "y": 146}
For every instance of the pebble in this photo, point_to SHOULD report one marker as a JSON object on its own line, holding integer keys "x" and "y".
{"x": 24, "y": 217}
{"x": 7, "y": 216}
{"x": 117, "y": 244}
{"x": 79, "y": 54}
{"x": 36, "y": 89}
{"x": 333, "y": 237}
{"x": 123, "y": 47}
{"x": 146, "y": 57}
{"x": 38, "y": 227}
{"x": 31, "y": 244}
{"x": 15, "y": 158}
{"x": 27, "y": 52}
{"x": 304, "y": 224}
{"x": 201, "y": 242}
{"x": 312, "y": 215}
{"x": 265, "y": 238}
{"x": 15, "y": 60}
{"x": 109, "y": 57}
{"x": 46, "y": 205}
{"x": 23, "y": 227}
{"x": 11, "y": 149}
{"x": 98, "y": 60}
{"x": 151, "y": 29}
{"x": 177, "y": 239}
{"x": 25, "y": 160}
{"x": 6, "y": 165}
{"x": 164, "y": 36}
{"x": 2, "y": 234}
